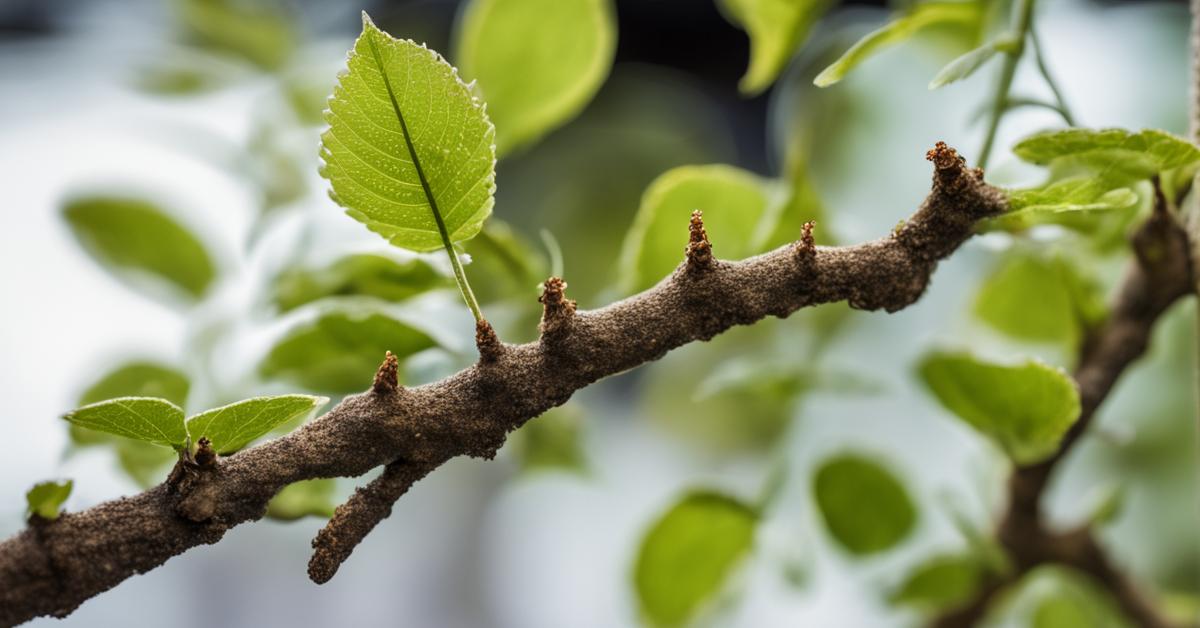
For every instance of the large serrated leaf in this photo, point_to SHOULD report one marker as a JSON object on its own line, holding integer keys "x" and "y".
{"x": 865, "y": 508}
{"x": 1026, "y": 408}
{"x": 236, "y": 425}
{"x": 537, "y": 62}
{"x": 408, "y": 145}
{"x": 688, "y": 554}
{"x": 776, "y": 29}
{"x": 140, "y": 418}
{"x": 1115, "y": 154}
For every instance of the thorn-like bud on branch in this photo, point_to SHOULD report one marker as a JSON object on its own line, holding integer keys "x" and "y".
{"x": 205, "y": 455}
{"x": 699, "y": 249}
{"x": 557, "y": 309}
{"x": 806, "y": 248}
{"x": 948, "y": 164}
{"x": 387, "y": 378}
{"x": 487, "y": 342}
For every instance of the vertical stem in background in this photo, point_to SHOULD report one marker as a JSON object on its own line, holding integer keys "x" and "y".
{"x": 1063, "y": 110}
{"x": 1007, "y": 72}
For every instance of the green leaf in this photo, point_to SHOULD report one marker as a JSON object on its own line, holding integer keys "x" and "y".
{"x": 552, "y": 442}
{"x": 940, "y": 583}
{"x": 236, "y": 425}
{"x": 406, "y": 142}
{"x": 505, "y": 264}
{"x": 141, "y": 418}
{"x": 139, "y": 379}
{"x": 143, "y": 462}
{"x": 136, "y": 237}
{"x": 537, "y": 62}
{"x": 865, "y": 508}
{"x": 1034, "y": 298}
{"x": 897, "y": 31}
{"x": 1026, "y": 409}
{"x": 1069, "y": 202}
{"x": 259, "y": 31}
{"x": 308, "y": 498}
{"x": 45, "y": 499}
{"x": 776, "y": 28}
{"x": 363, "y": 274}
{"x": 1063, "y": 598}
{"x": 339, "y": 351}
{"x": 733, "y": 202}
{"x": 966, "y": 65}
{"x": 1119, "y": 155}
{"x": 689, "y": 553}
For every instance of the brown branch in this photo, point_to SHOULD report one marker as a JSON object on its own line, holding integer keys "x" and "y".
{"x": 1159, "y": 275}
{"x": 51, "y": 570}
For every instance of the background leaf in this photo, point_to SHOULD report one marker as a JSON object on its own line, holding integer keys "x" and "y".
{"x": 140, "y": 418}
{"x": 309, "y": 498}
{"x": 45, "y": 498}
{"x": 864, "y": 507}
{"x": 367, "y": 159}
{"x": 338, "y": 352}
{"x": 776, "y": 28}
{"x": 1025, "y": 409}
{"x": 1034, "y": 298}
{"x": 258, "y": 31}
{"x": 236, "y": 425}
{"x": 688, "y": 554}
{"x": 134, "y": 235}
{"x": 537, "y": 62}
{"x": 940, "y": 583}
{"x": 552, "y": 442}
{"x": 363, "y": 274}
{"x": 965, "y": 65}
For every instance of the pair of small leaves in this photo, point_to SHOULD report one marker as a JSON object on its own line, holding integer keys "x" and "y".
{"x": 776, "y": 29}
{"x": 689, "y": 553}
{"x": 920, "y": 17}
{"x": 137, "y": 239}
{"x": 45, "y": 499}
{"x": 864, "y": 506}
{"x": 1025, "y": 408}
{"x": 161, "y": 422}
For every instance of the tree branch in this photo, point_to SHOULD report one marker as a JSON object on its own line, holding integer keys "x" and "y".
{"x": 1159, "y": 275}
{"x": 51, "y": 569}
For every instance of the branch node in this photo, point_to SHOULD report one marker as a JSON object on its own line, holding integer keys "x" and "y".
{"x": 948, "y": 166}
{"x": 205, "y": 456}
{"x": 387, "y": 378}
{"x": 699, "y": 249}
{"x": 557, "y": 309}
{"x": 488, "y": 343}
{"x": 806, "y": 246}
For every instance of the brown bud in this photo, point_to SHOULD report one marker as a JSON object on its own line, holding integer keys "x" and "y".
{"x": 387, "y": 378}
{"x": 557, "y": 309}
{"x": 699, "y": 249}
{"x": 487, "y": 342}
{"x": 205, "y": 455}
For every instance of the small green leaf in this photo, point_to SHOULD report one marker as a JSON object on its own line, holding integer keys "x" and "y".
{"x": 141, "y": 418}
{"x": 363, "y": 274}
{"x": 398, "y": 107}
{"x": 865, "y": 508}
{"x": 1063, "y": 598}
{"x": 45, "y": 499}
{"x": 1026, "y": 409}
{"x": 537, "y": 62}
{"x": 339, "y": 351}
{"x": 134, "y": 236}
{"x": 552, "y": 441}
{"x": 1116, "y": 154}
{"x": 776, "y": 28}
{"x": 733, "y": 202}
{"x": 309, "y": 498}
{"x": 897, "y": 31}
{"x": 259, "y": 31}
{"x": 688, "y": 554}
{"x": 1069, "y": 202}
{"x": 145, "y": 463}
{"x": 236, "y": 425}
{"x": 139, "y": 379}
{"x": 965, "y": 65}
{"x": 940, "y": 583}
{"x": 1034, "y": 298}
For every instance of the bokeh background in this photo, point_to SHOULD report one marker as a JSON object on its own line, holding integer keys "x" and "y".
{"x": 121, "y": 97}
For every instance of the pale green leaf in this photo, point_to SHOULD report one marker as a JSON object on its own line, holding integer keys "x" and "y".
{"x": 145, "y": 463}
{"x": 537, "y": 62}
{"x": 259, "y": 31}
{"x": 940, "y": 583}
{"x": 965, "y": 65}
{"x": 552, "y": 442}
{"x": 1063, "y": 598}
{"x": 363, "y": 274}
{"x": 865, "y": 508}
{"x": 505, "y": 264}
{"x": 136, "y": 237}
{"x": 407, "y": 141}
{"x": 900, "y": 29}
{"x": 1031, "y": 297}
{"x": 309, "y": 498}
{"x": 776, "y": 28}
{"x": 689, "y": 553}
{"x": 1026, "y": 408}
{"x": 140, "y": 418}
{"x": 1115, "y": 154}
{"x": 338, "y": 352}
{"x": 1069, "y": 202}
{"x": 139, "y": 379}
{"x": 45, "y": 498}
{"x": 733, "y": 202}
{"x": 236, "y": 425}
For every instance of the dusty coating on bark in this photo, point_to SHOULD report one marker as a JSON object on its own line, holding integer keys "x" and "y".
{"x": 82, "y": 554}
